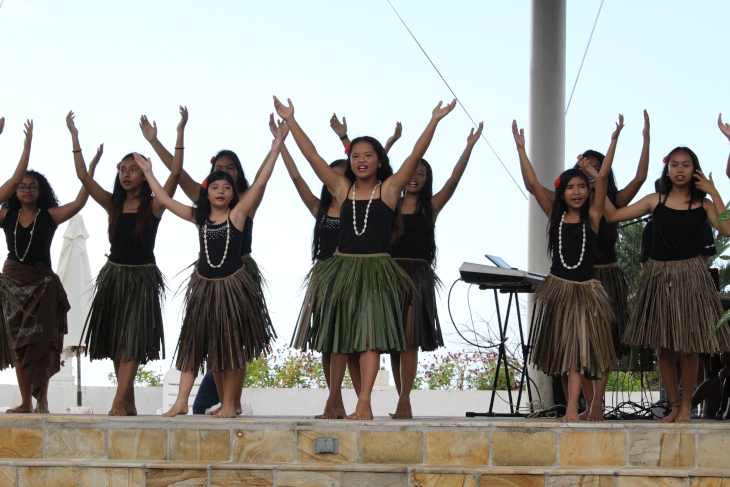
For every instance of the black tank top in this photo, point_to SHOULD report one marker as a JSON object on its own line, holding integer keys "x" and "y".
{"x": 328, "y": 234}
{"x": 247, "y": 236}
{"x": 605, "y": 245}
{"x": 376, "y": 239}
{"x": 417, "y": 239}
{"x": 125, "y": 249}
{"x": 216, "y": 248}
{"x": 676, "y": 234}
{"x": 572, "y": 244}
{"x": 40, "y": 245}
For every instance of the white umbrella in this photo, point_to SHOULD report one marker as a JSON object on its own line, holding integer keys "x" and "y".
{"x": 75, "y": 273}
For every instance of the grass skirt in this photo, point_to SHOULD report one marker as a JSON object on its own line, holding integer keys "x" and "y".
{"x": 300, "y": 339}
{"x": 6, "y": 342}
{"x": 615, "y": 283}
{"x": 261, "y": 313}
{"x": 354, "y": 304}
{"x": 677, "y": 307}
{"x": 425, "y": 326}
{"x": 572, "y": 328}
{"x": 126, "y": 313}
{"x": 223, "y": 324}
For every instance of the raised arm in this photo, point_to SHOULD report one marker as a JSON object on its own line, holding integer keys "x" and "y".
{"x": 340, "y": 128}
{"x": 2, "y": 124}
{"x": 9, "y": 187}
{"x": 716, "y": 206}
{"x": 394, "y": 185}
{"x": 394, "y": 138}
{"x": 725, "y": 129}
{"x": 63, "y": 213}
{"x": 183, "y": 211}
{"x": 309, "y": 199}
{"x": 630, "y": 191}
{"x": 439, "y": 200}
{"x": 177, "y": 163}
{"x": 100, "y": 195}
{"x": 641, "y": 208}
{"x": 338, "y": 185}
{"x": 601, "y": 186}
{"x": 528, "y": 172}
{"x": 189, "y": 186}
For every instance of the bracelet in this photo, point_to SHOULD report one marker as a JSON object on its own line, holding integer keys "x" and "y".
{"x": 179, "y": 148}
{"x": 462, "y": 160}
{"x": 75, "y": 151}
{"x": 343, "y": 137}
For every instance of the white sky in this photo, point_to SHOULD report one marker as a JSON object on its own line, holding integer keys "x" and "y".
{"x": 111, "y": 62}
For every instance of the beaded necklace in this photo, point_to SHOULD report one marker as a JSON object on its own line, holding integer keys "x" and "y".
{"x": 228, "y": 238}
{"x": 367, "y": 210}
{"x": 15, "y": 235}
{"x": 560, "y": 245}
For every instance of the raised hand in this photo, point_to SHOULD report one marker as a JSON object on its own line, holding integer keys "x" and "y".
{"x": 474, "y": 136}
{"x": 619, "y": 127}
{"x": 519, "y": 134}
{"x": 274, "y": 127}
{"x": 71, "y": 124}
{"x": 2, "y": 124}
{"x": 28, "y": 132}
{"x": 724, "y": 127}
{"x": 646, "y": 125}
{"x": 703, "y": 183}
{"x": 339, "y": 128}
{"x": 284, "y": 111}
{"x": 183, "y": 120}
{"x": 440, "y": 112}
{"x": 278, "y": 137}
{"x": 149, "y": 131}
{"x": 587, "y": 169}
{"x": 396, "y": 135}
{"x": 144, "y": 164}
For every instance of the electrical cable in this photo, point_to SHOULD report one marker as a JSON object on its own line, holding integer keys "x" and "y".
{"x": 448, "y": 305}
{"x": 584, "y": 57}
{"x": 457, "y": 98}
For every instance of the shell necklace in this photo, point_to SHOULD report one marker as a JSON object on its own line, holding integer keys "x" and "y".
{"x": 15, "y": 235}
{"x": 560, "y": 245}
{"x": 367, "y": 210}
{"x": 228, "y": 239}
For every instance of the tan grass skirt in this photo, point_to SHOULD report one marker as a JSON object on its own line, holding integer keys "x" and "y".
{"x": 615, "y": 283}
{"x": 572, "y": 328}
{"x": 425, "y": 325}
{"x": 677, "y": 307}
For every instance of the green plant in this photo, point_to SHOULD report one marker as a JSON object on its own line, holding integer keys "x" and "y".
{"x": 144, "y": 377}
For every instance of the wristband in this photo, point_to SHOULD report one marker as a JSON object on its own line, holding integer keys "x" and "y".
{"x": 179, "y": 148}
{"x": 343, "y": 137}
{"x": 462, "y": 160}
{"x": 75, "y": 151}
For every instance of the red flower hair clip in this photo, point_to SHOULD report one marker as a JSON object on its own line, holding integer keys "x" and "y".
{"x": 557, "y": 182}
{"x": 119, "y": 165}
{"x": 212, "y": 160}
{"x": 666, "y": 159}
{"x": 347, "y": 149}
{"x": 205, "y": 183}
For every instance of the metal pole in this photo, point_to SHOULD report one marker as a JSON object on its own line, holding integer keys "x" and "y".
{"x": 78, "y": 376}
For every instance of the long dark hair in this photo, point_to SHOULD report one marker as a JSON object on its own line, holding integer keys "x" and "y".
{"x": 201, "y": 207}
{"x": 46, "y": 196}
{"x": 116, "y": 207}
{"x": 241, "y": 183}
{"x": 607, "y": 232}
{"x": 665, "y": 183}
{"x": 424, "y": 207}
{"x": 325, "y": 200}
{"x": 560, "y": 206}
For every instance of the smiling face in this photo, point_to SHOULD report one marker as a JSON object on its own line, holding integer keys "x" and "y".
{"x": 680, "y": 168}
{"x": 28, "y": 190}
{"x": 364, "y": 160}
{"x": 220, "y": 194}
{"x": 576, "y": 193}
{"x": 418, "y": 181}
{"x": 225, "y": 163}
{"x": 130, "y": 175}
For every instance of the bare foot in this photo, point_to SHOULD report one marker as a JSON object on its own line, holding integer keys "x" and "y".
{"x": 671, "y": 417}
{"x": 117, "y": 410}
{"x": 363, "y": 411}
{"x": 571, "y": 416}
{"x": 330, "y": 412}
{"x": 684, "y": 415}
{"x": 596, "y": 414}
{"x": 584, "y": 415}
{"x": 403, "y": 410}
{"x": 214, "y": 411}
{"x": 23, "y": 408}
{"x": 225, "y": 412}
{"x": 41, "y": 408}
{"x": 131, "y": 410}
{"x": 176, "y": 409}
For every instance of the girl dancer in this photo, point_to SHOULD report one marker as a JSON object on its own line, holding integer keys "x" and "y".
{"x": 229, "y": 162}
{"x": 606, "y": 269}
{"x": 219, "y": 327}
{"x": 572, "y": 327}
{"x": 30, "y": 217}
{"x": 676, "y": 305}
{"x": 125, "y": 318}
{"x": 415, "y": 251}
{"x": 357, "y": 292}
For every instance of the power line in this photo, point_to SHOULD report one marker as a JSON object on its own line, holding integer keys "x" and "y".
{"x": 457, "y": 98}
{"x": 584, "y": 56}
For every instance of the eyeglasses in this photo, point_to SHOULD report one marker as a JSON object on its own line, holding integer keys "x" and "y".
{"x": 22, "y": 188}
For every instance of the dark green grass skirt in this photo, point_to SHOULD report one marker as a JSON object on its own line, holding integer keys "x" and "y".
{"x": 354, "y": 304}
{"x": 677, "y": 307}
{"x": 126, "y": 313}
{"x": 226, "y": 323}
{"x": 425, "y": 325}
{"x": 615, "y": 283}
{"x": 6, "y": 341}
{"x": 572, "y": 328}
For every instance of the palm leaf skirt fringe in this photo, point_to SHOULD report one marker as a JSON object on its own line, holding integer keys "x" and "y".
{"x": 425, "y": 325}
{"x": 6, "y": 342}
{"x": 354, "y": 304}
{"x": 226, "y": 323}
{"x": 126, "y": 313}
{"x": 615, "y": 283}
{"x": 572, "y": 328}
{"x": 677, "y": 307}
{"x": 300, "y": 338}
